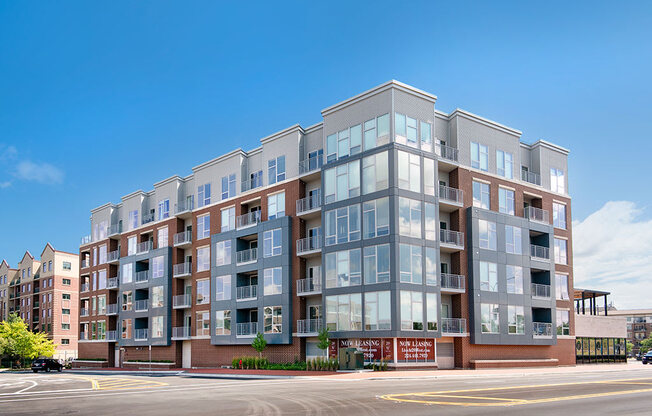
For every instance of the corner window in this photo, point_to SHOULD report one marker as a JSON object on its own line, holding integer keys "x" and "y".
{"x": 342, "y": 225}
{"x": 342, "y": 182}
{"x": 409, "y": 171}
{"x": 411, "y": 310}
{"x": 343, "y": 268}
{"x": 557, "y": 182}
{"x": 431, "y": 311}
{"x": 377, "y": 311}
{"x": 409, "y": 217}
{"x": 375, "y": 218}
{"x": 344, "y": 312}
{"x": 410, "y": 267}
{"x": 376, "y": 264}
{"x": 375, "y": 176}
{"x": 376, "y": 132}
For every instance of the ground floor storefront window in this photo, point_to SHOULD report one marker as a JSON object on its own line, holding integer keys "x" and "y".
{"x": 599, "y": 350}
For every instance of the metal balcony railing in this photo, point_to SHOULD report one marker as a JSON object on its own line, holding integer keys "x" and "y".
{"x": 246, "y": 292}
{"x": 446, "y": 152}
{"x": 182, "y": 269}
{"x": 246, "y": 328}
{"x": 452, "y": 281}
{"x": 183, "y": 206}
{"x": 142, "y": 276}
{"x": 112, "y": 309}
{"x": 537, "y": 215}
{"x": 181, "y": 332}
{"x": 85, "y": 240}
{"x": 83, "y": 311}
{"x": 311, "y": 164}
{"x": 309, "y": 326}
{"x": 309, "y": 244}
{"x": 112, "y": 256}
{"x": 541, "y": 329}
{"x": 540, "y": 291}
{"x": 453, "y": 325}
{"x": 147, "y": 218}
{"x": 184, "y": 237}
{"x": 308, "y": 286}
{"x": 182, "y": 301}
{"x": 451, "y": 194}
{"x": 85, "y": 263}
{"x": 143, "y": 247}
{"x": 84, "y": 287}
{"x": 111, "y": 336}
{"x": 141, "y": 305}
{"x": 455, "y": 238}
{"x": 531, "y": 177}
{"x": 247, "y": 220}
{"x": 309, "y": 203}
{"x": 251, "y": 183}
{"x": 141, "y": 334}
{"x": 246, "y": 256}
{"x": 112, "y": 283}
{"x": 115, "y": 229}
{"x": 539, "y": 252}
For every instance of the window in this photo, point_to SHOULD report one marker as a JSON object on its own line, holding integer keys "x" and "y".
{"x": 157, "y": 327}
{"x": 49, "y": 269}
{"x": 409, "y": 171}
{"x": 223, "y": 287}
{"x": 272, "y": 242}
{"x": 429, "y": 176}
{"x": 376, "y": 132}
{"x": 203, "y": 258}
{"x": 431, "y": 221}
{"x": 222, "y": 322}
{"x": 513, "y": 242}
{"x": 126, "y": 329}
{"x": 65, "y": 327}
{"x": 101, "y": 279}
{"x": 561, "y": 286}
{"x": 132, "y": 242}
{"x": 375, "y": 173}
{"x": 559, "y": 215}
{"x": 273, "y": 281}
{"x": 515, "y": 320}
{"x": 133, "y": 219}
{"x": 63, "y": 312}
{"x": 342, "y": 225}
{"x": 431, "y": 266}
{"x": 560, "y": 251}
{"x": 256, "y": 179}
{"x": 203, "y": 291}
{"x": 514, "y": 276}
{"x": 343, "y": 268}
{"x": 64, "y": 296}
{"x": 506, "y": 201}
{"x": 426, "y": 136}
{"x": 162, "y": 237}
{"x": 203, "y": 323}
{"x": 158, "y": 267}
{"x": 481, "y": 196}
{"x": 376, "y": 218}
{"x": 276, "y": 206}
{"x": 203, "y": 226}
{"x": 344, "y": 312}
{"x": 127, "y": 272}
{"x": 223, "y": 253}
{"x": 45, "y": 266}
{"x": 557, "y": 183}
{"x": 273, "y": 319}
{"x": 276, "y": 170}
{"x": 157, "y": 296}
{"x": 204, "y": 195}
{"x": 487, "y": 234}
{"x": 409, "y": 221}
{"x": 67, "y": 265}
{"x": 376, "y": 264}
{"x": 342, "y": 182}
{"x": 66, "y": 282}
{"x": 504, "y": 164}
{"x": 228, "y": 186}
{"x": 479, "y": 156}
{"x": 431, "y": 311}
{"x": 163, "y": 209}
{"x": 410, "y": 264}
{"x": 400, "y": 128}
{"x": 355, "y": 139}
{"x": 411, "y": 310}
{"x": 377, "y": 311}
{"x": 563, "y": 322}
{"x": 490, "y": 318}
{"x": 127, "y": 300}
{"x": 488, "y": 276}
{"x": 228, "y": 219}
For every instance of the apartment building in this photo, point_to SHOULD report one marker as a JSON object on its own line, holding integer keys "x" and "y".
{"x": 639, "y": 325}
{"x": 44, "y": 293}
{"x": 416, "y": 236}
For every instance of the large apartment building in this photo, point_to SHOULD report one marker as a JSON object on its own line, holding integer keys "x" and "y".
{"x": 44, "y": 293}
{"x": 416, "y": 236}
{"x": 639, "y": 325}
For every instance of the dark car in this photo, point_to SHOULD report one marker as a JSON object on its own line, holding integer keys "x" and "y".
{"x": 647, "y": 358}
{"x": 47, "y": 365}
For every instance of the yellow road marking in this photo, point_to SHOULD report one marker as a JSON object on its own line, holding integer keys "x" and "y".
{"x": 126, "y": 384}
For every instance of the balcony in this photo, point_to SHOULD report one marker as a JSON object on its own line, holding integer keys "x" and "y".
{"x": 112, "y": 309}
{"x": 141, "y": 334}
{"x": 37, "y": 290}
{"x": 183, "y": 239}
{"x": 83, "y": 311}
{"x": 141, "y": 305}
{"x": 182, "y": 301}
{"x": 112, "y": 283}
{"x": 541, "y": 330}
{"x": 452, "y": 283}
{"x": 309, "y": 206}
{"x": 251, "y": 183}
{"x": 180, "y": 333}
{"x": 248, "y": 220}
{"x": 308, "y": 327}
{"x": 539, "y": 253}
{"x": 84, "y": 287}
{"x": 310, "y": 168}
{"x": 540, "y": 291}
{"x": 36, "y": 305}
{"x": 141, "y": 277}
{"x": 111, "y": 336}
{"x": 306, "y": 287}
{"x": 85, "y": 264}
{"x": 246, "y": 292}
{"x": 450, "y": 199}
{"x": 115, "y": 230}
{"x": 113, "y": 257}
{"x": 246, "y": 256}
{"x": 309, "y": 246}
{"x": 143, "y": 247}
{"x": 453, "y": 326}
{"x": 450, "y": 241}
{"x": 447, "y": 155}
{"x": 85, "y": 240}
{"x": 147, "y": 218}
{"x": 531, "y": 177}
{"x": 536, "y": 215}
{"x": 182, "y": 269}
{"x": 247, "y": 329}
{"x": 184, "y": 208}
{"x": 83, "y": 336}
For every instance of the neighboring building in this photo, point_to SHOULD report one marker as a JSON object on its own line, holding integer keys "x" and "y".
{"x": 44, "y": 293}
{"x": 425, "y": 238}
{"x": 639, "y": 325}
{"x": 599, "y": 335}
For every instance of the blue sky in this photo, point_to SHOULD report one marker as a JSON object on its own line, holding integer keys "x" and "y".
{"x": 100, "y": 99}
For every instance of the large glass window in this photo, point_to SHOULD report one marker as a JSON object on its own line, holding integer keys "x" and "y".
{"x": 410, "y": 271}
{"x": 560, "y": 251}
{"x": 222, "y": 322}
{"x": 132, "y": 242}
{"x": 429, "y": 176}
{"x": 203, "y": 258}
{"x": 223, "y": 253}
{"x": 490, "y": 318}
{"x": 506, "y": 201}
{"x": 563, "y": 322}
{"x": 376, "y": 132}
{"x": 203, "y": 291}
{"x": 561, "y": 286}
{"x": 377, "y": 311}
{"x": 431, "y": 266}
{"x": 272, "y": 242}
{"x": 163, "y": 209}
{"x": 276, "y": 170}
{"x": 481, "y": 196}
{"x": 273, "y": 281}
{"x": 102, "y": 254}
{"x": 342, "y": 225}
{"x": 127, "y": 272}
{"x": 375, "y": 175}
{"x": 127, "y": 300}
{"x": 557, "y": 182}
{"x": 133, "y": 219}
{"x": 513, "y": 242}
{"x": 376, "y": 217}
{"x": 344, "y": 312}
{"x": 223, "y": 287}
{"x": 343, "y": 268}
{"x": 158, "y": 266}
{"x": 273, "y": 319}
{"x": 101, "y": 280}
{"x": 488, "y": 276}
{"x": 400, "y": 128}
{"x": 504, "y": 164}
{"x": 276, "y": 206}
{"x": 514, "y": 276}
{"x": 487, "y": 234}
{"x": 432, "y": 306}
{"x": 342, "y": 182}
{"x": 409, "y": 217}
{"x": 228, "y": 186}
{"x": 157, "y": 296}
{"x": 559, "y": 215}
{"x": 409, "y": 171}
{"x": 515, "y": 319}
{"x": 203, "y": 323}
{"x": 228, "y": 219}
{"x": 479, "y": 156}
{"x": 126, "y": 329}
{"x": 204, "y": 195}
{"x": 162, "y": 237}
{"x": 376, "y": 264}
{"x": 411, "y": 310}
{"x": 203, "y": 226}
{"x": 430, "y": 221}
{"x": 426, "y": 136}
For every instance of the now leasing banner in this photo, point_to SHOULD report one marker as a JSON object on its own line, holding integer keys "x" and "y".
{"x": 375, "y": 349}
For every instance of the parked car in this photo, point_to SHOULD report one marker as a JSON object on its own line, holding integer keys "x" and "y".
{"x": 647, "y": 358}
{"x": 47, "y": 365}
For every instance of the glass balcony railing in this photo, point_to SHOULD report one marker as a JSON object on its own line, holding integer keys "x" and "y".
{"x": 536, "y": 215}
{"x": 539, "y": 252}
{"x": 311, "y": 164}
{"x": 246, "y": 328}
{"x": 540, "y": 291}
{"x": 246, "y": 256}
{"x": 453, "y": 326}
{"x": 541, "y": 330}
{"x": 246, "y": 292}
{"x": 452, "y": 281}
{"x": 309, "y": 326}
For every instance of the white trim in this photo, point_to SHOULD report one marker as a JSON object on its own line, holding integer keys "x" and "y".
{"x": 481, "y": 180}
{"x": 507, "y": 187}
{"x": 485, "y": 121}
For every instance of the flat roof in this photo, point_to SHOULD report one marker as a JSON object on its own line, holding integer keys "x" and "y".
{"x": 588, "y": 293}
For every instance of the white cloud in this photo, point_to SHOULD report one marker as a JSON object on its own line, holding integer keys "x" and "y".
{"x": 613, "y": 252}
{"x": 5, "y": 184}
{"x": 42, "y": 172}
{"x": 7, "y": 152}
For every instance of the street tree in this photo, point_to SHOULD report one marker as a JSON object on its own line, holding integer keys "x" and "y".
{"x": 259, "y": 344}
{"x": 18, "y": 342}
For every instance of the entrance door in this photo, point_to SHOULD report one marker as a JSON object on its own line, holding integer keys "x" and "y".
{"x": 444, "y": 267}
{"x": 314, "y": 311}
{"x": 116, "y": 358}
{"x": 186, "y": 351}
{"x": 444, "y": 311}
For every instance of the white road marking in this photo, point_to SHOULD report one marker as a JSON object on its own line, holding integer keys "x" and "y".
{"x": 27, "y": 388}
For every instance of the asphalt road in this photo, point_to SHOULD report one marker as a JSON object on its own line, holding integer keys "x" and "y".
{"x": 627, "y": 393}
